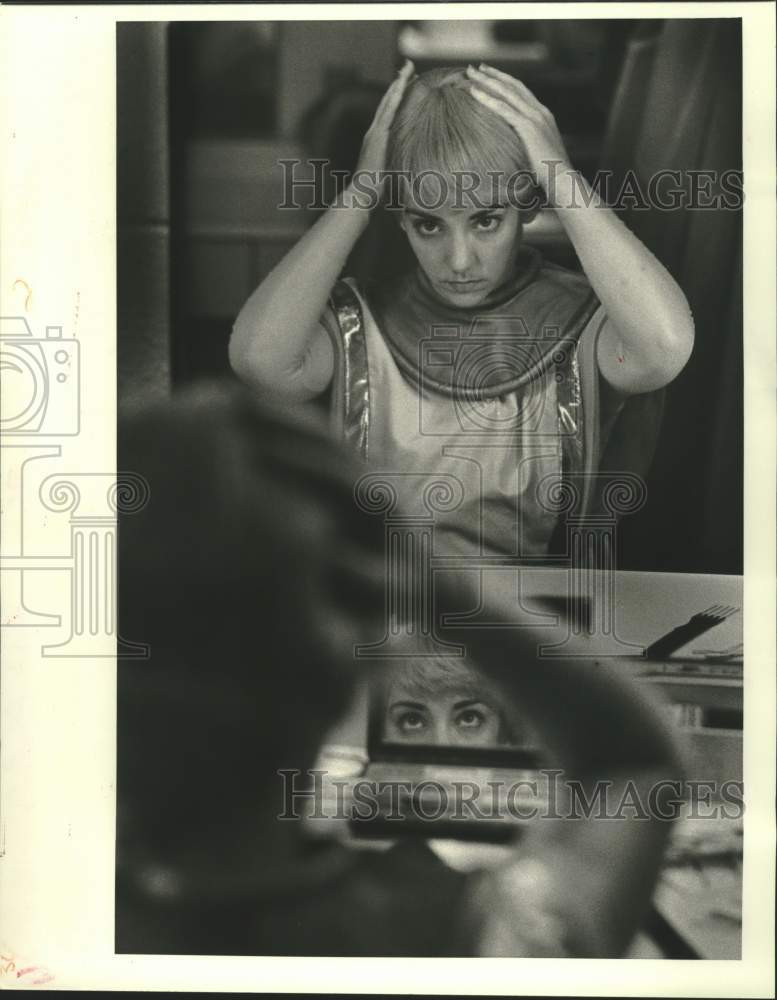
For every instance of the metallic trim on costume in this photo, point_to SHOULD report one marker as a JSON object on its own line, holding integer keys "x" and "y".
{"x": 569, "y": 402}
{"x": 356, "y": 381}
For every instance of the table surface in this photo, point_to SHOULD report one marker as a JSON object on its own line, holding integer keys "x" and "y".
{"x": 645, "y": 605}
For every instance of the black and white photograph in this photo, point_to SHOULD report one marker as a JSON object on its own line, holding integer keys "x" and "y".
{"x": 417, "y": 515}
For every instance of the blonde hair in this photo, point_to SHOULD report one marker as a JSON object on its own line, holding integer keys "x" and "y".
{"x": 433, "y": 675}
{"x": 441, "y": 127}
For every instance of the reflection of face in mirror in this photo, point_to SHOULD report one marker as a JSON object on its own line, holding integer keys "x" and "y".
{"x": 445, "y": 720}
{"x": 444, "y": 703}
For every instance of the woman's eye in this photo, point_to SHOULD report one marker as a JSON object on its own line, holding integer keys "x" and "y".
{"x": 488, "y": 223}
{"x": 470, "y": 718}
{"x": 410, "y": 722}
{"x": 426, "y": 227}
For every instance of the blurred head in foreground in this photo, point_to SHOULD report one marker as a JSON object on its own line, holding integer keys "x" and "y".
{"x": 250, "y": 574}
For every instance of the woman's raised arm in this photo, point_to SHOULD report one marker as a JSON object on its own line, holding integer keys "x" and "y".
{"x": 648, "y": 335}
{"x": 278, "y": 342}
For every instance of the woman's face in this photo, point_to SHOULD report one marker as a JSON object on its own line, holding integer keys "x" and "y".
{"x": 468, "y": 246}
{"x": 449, "y": 719}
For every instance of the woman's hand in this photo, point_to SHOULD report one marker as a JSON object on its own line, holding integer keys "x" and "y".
{"x": 372, "y": 158}
{"x": 647, "y": 335}
{"x": 532, "y": 121}
{"x": 279, "y": 343}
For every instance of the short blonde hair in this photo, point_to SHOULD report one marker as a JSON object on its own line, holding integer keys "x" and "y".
{"x": 429, "y": 676}
{"x": 441, "y": 127}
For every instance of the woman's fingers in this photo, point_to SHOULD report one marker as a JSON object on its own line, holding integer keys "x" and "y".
{"x": 398, "y": 88}
{"x": 373, "y": 151}
{"x": 505, "y": 78}
{"x": 509, "y": 89}
{"x": 509, "y": 112}
{"x": 390, "y": 100}
{"x": 537, "y": 129}
{"x": 496, "y": 88}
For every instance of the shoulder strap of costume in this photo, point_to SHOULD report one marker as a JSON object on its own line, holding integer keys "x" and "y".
{"x": 591, "y": 403}
{"x": 351, "y": 388}
{"x": 570, "y": 411}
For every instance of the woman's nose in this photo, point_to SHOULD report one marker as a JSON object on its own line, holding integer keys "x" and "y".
{"x": 438, "y": 731}
{"x": 460, "y": 254}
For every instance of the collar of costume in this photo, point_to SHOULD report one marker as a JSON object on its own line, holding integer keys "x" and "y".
{"x": 514, "y": 336}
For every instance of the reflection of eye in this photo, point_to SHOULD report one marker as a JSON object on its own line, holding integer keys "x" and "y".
{"x": 470, "y": 718}
{"x": 410, "y": 721}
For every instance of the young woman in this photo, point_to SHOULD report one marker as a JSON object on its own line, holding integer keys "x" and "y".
{"x": 481, "y": 366}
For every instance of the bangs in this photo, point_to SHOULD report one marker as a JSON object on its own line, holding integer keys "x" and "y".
{"x": 427, "y": 678}
{"x": 441, "y": 129}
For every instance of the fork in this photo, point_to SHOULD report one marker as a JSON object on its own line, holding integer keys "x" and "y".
{"x": 694, "y": 627}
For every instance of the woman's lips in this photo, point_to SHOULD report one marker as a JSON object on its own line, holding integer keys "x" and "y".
{"x": 464, "y": 286}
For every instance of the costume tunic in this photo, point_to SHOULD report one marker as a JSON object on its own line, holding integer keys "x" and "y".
{"x": 481, "y": 418}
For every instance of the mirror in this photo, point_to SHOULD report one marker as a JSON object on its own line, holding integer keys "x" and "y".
{"x": 434, "y": 701}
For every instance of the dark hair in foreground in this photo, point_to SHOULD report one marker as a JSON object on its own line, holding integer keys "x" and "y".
{"x": 249, "y": 573}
